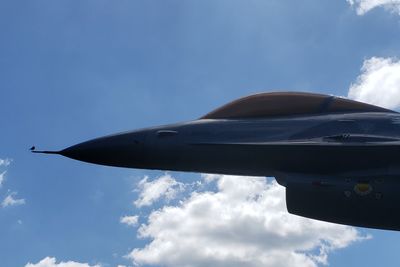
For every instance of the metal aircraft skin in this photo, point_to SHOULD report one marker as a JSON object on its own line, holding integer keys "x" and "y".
{"x": 338, "y": 159}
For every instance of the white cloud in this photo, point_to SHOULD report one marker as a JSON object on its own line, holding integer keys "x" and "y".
{"x": 51, "y": 262}
{"x": 378, "y": 83}
{"x": 2, "y": 177}
{"x": 9, "y": 200}
{"x": 243, "y": 223}
{"x": 363, "y": 6}
{"x": 129, "y": 220}
{"x": 164, "y": 186}
{"x": 209, "y": 177}
{"x": 5, "y": 162}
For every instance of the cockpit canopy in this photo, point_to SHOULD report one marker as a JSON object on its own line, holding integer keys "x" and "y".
{"x": 265, "y": 105}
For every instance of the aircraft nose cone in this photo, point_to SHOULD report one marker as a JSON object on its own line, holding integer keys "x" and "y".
{"x": 122, "y": 150}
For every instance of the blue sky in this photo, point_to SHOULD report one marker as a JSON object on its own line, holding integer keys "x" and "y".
{"x": 74, "y": 70}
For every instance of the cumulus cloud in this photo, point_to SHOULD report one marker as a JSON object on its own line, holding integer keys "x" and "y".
{"x": 378, "y": 83}
{"x": 150, "y": 191}
{"x": 51, "y": 262}
{"x": 363, "y": 6}
{"x": 129, "y": 220}
{"x": 10, "y": 200}
{"x": 243, "y": 223}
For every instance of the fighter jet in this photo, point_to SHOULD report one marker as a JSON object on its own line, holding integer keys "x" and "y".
{"x": 339, "y": 159}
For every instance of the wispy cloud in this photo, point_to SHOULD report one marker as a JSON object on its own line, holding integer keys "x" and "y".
{"x": 129, "y": 220}
{"x": 363, "y": 6}
{"x": 378, "y": 83}
{"x": 51, "y": 262}
{"x": 150, "y": 191}
{"x": 2, "y": 178}
{"x": 5, "y": 162}
{"x": 10, "y": 200}
{"x": 243, "y": 223}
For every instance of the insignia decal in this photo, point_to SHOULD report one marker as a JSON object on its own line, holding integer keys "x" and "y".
{"x": 363, "y": 189}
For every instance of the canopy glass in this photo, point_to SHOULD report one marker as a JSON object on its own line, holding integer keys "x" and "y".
{"x": 288, "y": 103}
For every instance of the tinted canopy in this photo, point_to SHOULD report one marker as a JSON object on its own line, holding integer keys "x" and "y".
{"x": 288, "y": 103}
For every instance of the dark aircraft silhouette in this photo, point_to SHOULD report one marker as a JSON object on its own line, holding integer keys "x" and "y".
{"x": 338, "y": 159}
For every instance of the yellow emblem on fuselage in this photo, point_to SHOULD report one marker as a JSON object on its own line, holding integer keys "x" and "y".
{"x": 363, "y": 189}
